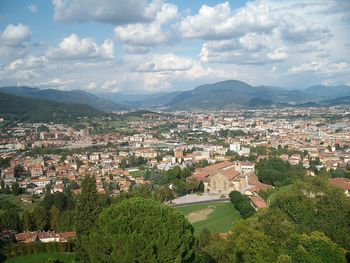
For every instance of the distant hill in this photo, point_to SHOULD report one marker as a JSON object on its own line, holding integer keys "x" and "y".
{"x": 231, "y": 93}
{"x": 74, "y": 96}
{"x": 39, "y": 110}
{"x": 138, "y": 101}
{"x": 327, "y": 92}
{"x": 337, "y": 101}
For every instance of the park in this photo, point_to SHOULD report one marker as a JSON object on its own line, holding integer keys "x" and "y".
{"x": 217, "y": 217}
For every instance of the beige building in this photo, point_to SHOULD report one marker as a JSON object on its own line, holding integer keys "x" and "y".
{"x": 225, "y": 177}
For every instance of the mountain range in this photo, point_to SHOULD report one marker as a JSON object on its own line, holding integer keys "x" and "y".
{"x": 73, "y": 96}
{"x": 40, "y": 110}
{"x": 232, "y": 93}
{"x": 220, "y": 95}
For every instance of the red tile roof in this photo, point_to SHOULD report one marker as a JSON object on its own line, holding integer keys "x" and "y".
{"x": 342, "y": 183}
{"x": 258, "y": 202}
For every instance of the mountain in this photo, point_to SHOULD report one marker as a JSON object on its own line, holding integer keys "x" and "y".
{"x": 232, "y": 93}
{"x": 39, "y": 110}
{"x": 327, "y": 92}
{"x": 141, "y": 100}
{"x": 74, "y": 96}
{"x": 337, "y": 101}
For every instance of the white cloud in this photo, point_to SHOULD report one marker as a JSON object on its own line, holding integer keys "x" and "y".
{"x": 296, "y": 29}
{"x": 73, "y": 47}
{"x": 323, "y": 67}
{"x": 140, "y": 36}
{"x": 253, "y": 41}
{"x": 252, "y": 48}
{"x": 26, "y": 63}
{"x": 110, "y": 85}
{"x": 58, "y": 82}
{"x": 220, "y": 21}
{"x": 277, "y": 55}
{"x": 16, "y": 35}
{"x": 33, "y": 8}
{"x": 91, "y": 86}
{"x": 164, "y": 63}
{"x": 14, "y": 41}
{"x": 105, "y": 11}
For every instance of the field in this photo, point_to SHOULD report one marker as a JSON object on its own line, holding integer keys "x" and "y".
{"x": 217, "y": 217}
{"x": 43, "y": 257}
{"x": 138, "y": 173}
{"x": 10, "y": 200}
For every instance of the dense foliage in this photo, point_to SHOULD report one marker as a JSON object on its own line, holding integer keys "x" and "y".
{"x": 242, "y": 204}
{"x": 87, "y": 210}
{"x": 36, "y": 110}
{"x": 277, "y": 172}
{"x": 140, "y": 230}
{"x": 309, "y": 222}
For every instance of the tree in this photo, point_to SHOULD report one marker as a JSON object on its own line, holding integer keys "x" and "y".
{"x": 66, "y": 221}
{"x": 54, "y": 216}
{"x": 2, "y": 186}
{"x": 315, "y": 205}
{"x": 19, "y": 171}
{"x": 316, "y": 247}
{"x": 242, "y": 204}
{"x": 41, "y": 218}
{"x": 164, "y": 194}
{"x": 28, "y": 221}
{"x": 140, "y": 230}
{"x": 16, "y": 190}
{"x": 87, "y": 210}
{"x": 11, "y": 220}
{"x": 204, "y": 237}
{"x": 249, "y": 243}
{"x": 277, "y": 172}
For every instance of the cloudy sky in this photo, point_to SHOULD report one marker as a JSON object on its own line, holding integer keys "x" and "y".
{"x": 138, "y": 46}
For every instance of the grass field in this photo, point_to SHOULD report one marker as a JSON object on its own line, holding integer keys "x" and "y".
{"x": 43, "y": 257}
{"x": 138, "y": 173}
{"x": 15, "y": 200}
{"x": 220, "y": 220}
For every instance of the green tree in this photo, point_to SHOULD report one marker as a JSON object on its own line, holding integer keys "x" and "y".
{"x": 249, "y": 243}
{"x": 2, "y": 186}
{"x": 28, "y": 221}
{"x": 66, "y": 221}
{"x": 54, "y": 217}
{"x": 204, "y": 237}
{"x": 315, "y": 205}
{"x": 140, "y": 230}
{"x": 41, "y": 218}
{"x": 16, "y": 190}
{"x": 11, "y": 220}
{"x": 315, "y": 247}
{"x": 87, "y": 210}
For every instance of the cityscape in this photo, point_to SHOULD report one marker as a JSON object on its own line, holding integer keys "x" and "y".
{"x": 140, "y": 150}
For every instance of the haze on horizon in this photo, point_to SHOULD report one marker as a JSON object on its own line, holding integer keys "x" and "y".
{"x": 160, "y": 46}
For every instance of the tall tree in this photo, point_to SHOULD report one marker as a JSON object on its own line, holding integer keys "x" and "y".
{"x": 87, "y": 210}
{"x": 11, "y": 220}
{"x": 54, "y": 216}
{"x": 41, "y": 218}
{"x": 28, "y": 221}
{"x": 16, "y": 190}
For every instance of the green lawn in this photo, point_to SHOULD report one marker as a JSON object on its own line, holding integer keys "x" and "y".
{"x": 16, "y": 201}
{"x": 219, "y": 221}
{"x": 138, "y": 173}
{"x": 43, "y": 257}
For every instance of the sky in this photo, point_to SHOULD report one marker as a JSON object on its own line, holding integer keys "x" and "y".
{"x": 140, "y": 46}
